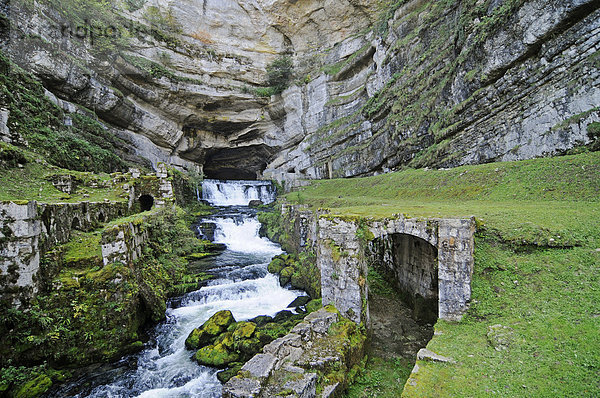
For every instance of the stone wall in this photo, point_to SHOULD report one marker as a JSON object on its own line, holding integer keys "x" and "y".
{"x": 60, "y": 219}
{"x": 29, "y": 229}
{"x": 20, "y": 230}
{"x": 428, "y": 259}
{"x": 124, "y": 242}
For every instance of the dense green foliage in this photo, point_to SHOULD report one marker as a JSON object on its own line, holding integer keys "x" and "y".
{"x": 279, "y": 73}
{"x": 84, "y": 146}
{"x": 537, "y": 271}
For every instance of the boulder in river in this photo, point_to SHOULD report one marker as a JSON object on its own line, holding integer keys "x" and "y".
{"x": 210, "y": 330}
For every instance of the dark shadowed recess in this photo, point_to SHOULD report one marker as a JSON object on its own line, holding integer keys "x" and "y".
{"x": 242, "y": 163}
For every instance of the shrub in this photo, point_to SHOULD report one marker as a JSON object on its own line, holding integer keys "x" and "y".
{"x": 279, "y": 73}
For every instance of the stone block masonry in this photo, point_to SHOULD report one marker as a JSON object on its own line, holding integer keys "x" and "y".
{"x": 430, "y": 261}
{"x": 123, "y": 242}
{"x": 29, "y": 229}
{"x": 20, "y": 230}
{"x": 306, "y": 360}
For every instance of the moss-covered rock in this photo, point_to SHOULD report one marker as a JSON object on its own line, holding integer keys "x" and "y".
{"x": 210, "y": 330}
{"x": 244, "y": 330}
{"x": 301, "y": 272}
{"x": 219, "y": 322}
{"x": 226, "y": 339}
{"x": 276, "y": 265}
{"x": 217, "y": 356}
{"x": 285, "y": 276}
{"x": 34, "y": 388}
{"x": 227, "y": 374}
{"x": 261, "y": 320}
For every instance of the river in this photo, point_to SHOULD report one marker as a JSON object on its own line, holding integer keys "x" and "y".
{"x": 242, "y": 284}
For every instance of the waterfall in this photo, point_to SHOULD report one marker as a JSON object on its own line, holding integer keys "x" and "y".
{"x": 237, "y": 193}
{"x": 241, "y": 284}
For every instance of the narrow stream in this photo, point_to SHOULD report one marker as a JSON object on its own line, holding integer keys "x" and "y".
{"x": 164, "y": 368}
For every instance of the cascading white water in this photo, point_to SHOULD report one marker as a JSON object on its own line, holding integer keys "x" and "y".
{"x": 237, "y": 193}
{"x": 242, "y": 285}
{"x": 242, "y": 236}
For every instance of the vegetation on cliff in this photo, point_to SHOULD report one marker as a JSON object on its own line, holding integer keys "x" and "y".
{"x": 74, "y": 141}
{"x": 536, "y": 270}
{"x": 223, "y": 343}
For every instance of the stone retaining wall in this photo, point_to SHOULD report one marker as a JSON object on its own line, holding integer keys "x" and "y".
{"x": 304, "y": 361}
{"x": 123, "y": 242}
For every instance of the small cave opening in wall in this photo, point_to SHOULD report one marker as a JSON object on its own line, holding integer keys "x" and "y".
{"x": 146, "y": 202}
{"x": 101, "y": 217}
{"x": 403, "y": 295}
{"x": 75, "y": 224}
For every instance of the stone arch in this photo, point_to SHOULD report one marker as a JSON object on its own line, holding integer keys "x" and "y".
{"x": 411, "y": 264}
{"x": 101, "y": 217}
{"x": 146, "y": 202}
{"x": 75, "y": 223}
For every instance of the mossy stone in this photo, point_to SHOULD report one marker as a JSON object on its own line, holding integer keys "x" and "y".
{"x": 34, "y": 388}
{"x": 263, "y": 337}
{"x": 218, "y": 323}
{"x": 298, "y": 281}
{"x": 226, "y": 339}
{"x": 225, "y": 375}
{"x": 314, "y": 305}
{"x": 285, "y": 275}
{"x": 193, "y": 339}
{"x": 245, "y": 330}
{"x": 276, "y": 265}
{"x": 216, "y": 356}
{"x": 250, "y": 347}
{"x": 261, "y": 320}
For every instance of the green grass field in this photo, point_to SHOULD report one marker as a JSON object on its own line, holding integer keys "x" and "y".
{"x": 537, "y": 271}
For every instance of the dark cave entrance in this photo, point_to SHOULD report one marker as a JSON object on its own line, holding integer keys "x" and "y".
{"x": 403, "y": 302}
{"x": 75, "y": 224}
{"x": 240, "y": 163}
{"x": 146, "y": 202}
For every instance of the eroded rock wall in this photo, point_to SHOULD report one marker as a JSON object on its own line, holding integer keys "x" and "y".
{"x": 447, "y": 84}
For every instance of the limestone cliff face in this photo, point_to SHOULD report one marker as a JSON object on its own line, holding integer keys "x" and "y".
{"x": 178, "y": 81}
{"x": 377, "y": 86}
{"x": 447, "y": 84}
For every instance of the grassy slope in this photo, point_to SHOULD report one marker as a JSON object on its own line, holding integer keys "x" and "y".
{"x": 526, "y": 276}
{"x": 32, "y": 181}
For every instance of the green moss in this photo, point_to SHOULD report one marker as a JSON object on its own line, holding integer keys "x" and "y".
{"x": 34, "y": 388}
{"x": 225, "y": 375}
{"x": 216, "y": 356}
{"x": 244, "y": 330}
{"x": 85, "y": 146}
{"x": 285, "y": 275}
{"x": 83, "y": 249}
{"x": 90, "y": 314}
{"x": 276, "y": 265}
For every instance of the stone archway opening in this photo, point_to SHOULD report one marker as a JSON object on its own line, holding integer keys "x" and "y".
{"x": 75, "y": 224}
{"x": 403, "y": 294}
{"x": 146, "y": 202}
{"x": 101, "y": 217}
